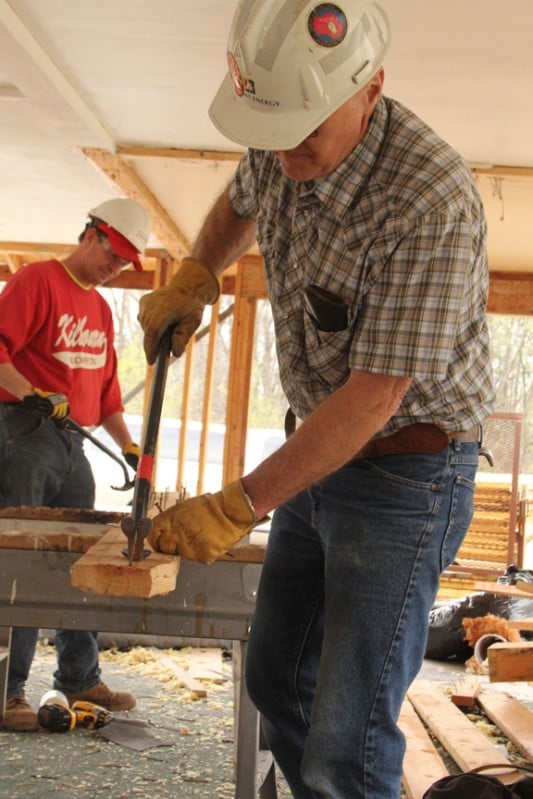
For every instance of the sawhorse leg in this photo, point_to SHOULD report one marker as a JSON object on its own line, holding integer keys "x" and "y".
{"x": 254, "y": 765}
{"x": 5, "y": 643}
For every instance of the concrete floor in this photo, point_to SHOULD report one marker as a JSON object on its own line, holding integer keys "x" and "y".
{"x": 194, "y": 760}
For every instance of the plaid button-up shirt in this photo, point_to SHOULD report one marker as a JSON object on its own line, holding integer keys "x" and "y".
{"x": 398, "y": 233}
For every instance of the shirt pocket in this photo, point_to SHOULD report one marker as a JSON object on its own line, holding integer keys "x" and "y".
{"x": 327, "y": 352}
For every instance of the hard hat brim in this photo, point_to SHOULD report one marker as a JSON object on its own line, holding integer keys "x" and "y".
{"x": 260, "y": 128}
{"x": 121, "y": 246}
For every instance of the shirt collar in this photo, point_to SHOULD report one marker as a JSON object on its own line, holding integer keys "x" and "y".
{"x": 344, "y": 182}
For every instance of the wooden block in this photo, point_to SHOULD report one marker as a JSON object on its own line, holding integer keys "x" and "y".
{"x": 505, "y": 590}
{"x": 512, "y": 717}
{"x": 467, "y": 745}
{"x": 511, "y": 661}
{"x": 105, "y": 570}
{"x": 465, "y": 692}
{"x": 422, "y": 764}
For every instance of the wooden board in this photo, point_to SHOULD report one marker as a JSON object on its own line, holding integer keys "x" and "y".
{"x": 467, "y": 745}
{"x": 422, "y": 764}
{"x": 511, "y": 661}
{"x": 54, "y": 529}
{"x": 205, "y": 663}
{"x": 513, "y": 718}
{"x": 77, "y": 530}
{"x": 185, "y": 677}
{"x": 77, "y": 515}
{"x": 51, "y": 536}
{"x": 504, "y": 590}
{"x": 105, "y": 570}
{"x": 520, "y": 624}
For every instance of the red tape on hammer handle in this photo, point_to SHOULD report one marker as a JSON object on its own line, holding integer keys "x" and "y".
{"x": 145, "y": 467}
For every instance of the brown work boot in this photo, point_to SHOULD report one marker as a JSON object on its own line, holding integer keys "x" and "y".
{"x": 101, "y": 695}
{"x": 19, "y": 717}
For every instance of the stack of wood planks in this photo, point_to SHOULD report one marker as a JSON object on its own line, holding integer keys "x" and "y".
{"x": 494, "y": 541}
{"x": 443, "y": 736}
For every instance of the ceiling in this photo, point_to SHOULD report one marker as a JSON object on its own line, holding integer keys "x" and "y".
{"x": 111, "y": 96}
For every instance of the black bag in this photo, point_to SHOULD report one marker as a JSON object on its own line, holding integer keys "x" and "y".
{"x": 446, "y": 634}
{"x": 473, "y": 785}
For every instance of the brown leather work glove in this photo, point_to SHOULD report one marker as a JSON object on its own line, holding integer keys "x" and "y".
{"x": 180, "y": 304}
{"x": 204, "y": 527}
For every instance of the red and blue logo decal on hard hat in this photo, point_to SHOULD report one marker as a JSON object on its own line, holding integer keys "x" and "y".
{"x": 327, "y": 25}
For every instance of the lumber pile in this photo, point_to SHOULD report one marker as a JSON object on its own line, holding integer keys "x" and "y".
{"x": 494, "y": 540}
{"x": 447, "y": 736}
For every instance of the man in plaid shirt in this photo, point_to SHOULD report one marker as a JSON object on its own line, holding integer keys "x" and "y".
{"x": 374, "y": 244}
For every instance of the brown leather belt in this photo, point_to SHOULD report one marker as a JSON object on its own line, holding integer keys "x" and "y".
{"x": 416, "y": 439}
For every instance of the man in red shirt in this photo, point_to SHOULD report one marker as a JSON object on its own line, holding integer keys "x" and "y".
{"x": 56, "y": 342}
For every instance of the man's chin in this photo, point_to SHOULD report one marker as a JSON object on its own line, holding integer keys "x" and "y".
{"x": 296, "y": 167}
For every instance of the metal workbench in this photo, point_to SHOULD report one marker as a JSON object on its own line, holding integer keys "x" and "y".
{"x": 210, "y": 602}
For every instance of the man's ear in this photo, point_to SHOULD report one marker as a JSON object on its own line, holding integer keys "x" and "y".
{"x": 91, "y": 235}
{"x": 374, "y": 88}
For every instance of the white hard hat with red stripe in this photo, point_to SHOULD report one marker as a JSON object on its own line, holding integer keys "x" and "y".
{"x": 292, "y": 63}
{"x": 127, "y": 225}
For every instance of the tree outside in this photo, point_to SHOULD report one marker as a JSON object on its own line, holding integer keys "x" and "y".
{"x": 512, "y": 362}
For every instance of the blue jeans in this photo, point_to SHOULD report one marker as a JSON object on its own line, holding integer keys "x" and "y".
{"x": 351, "y": 572}
{"x": 41, "y": 464}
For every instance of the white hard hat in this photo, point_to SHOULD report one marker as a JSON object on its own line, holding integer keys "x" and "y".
{"x": 292, "y": 63}
{"x": 130, "y": 221}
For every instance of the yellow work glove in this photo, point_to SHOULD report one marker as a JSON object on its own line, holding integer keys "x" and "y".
{"x": 204, "y": 527}
{"x": 180, "y": 304}
{"x": 50, "y": 404}
{"x": 132, "y": 453}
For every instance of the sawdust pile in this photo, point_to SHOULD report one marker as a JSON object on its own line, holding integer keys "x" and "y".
{"x": 175, "y": 668}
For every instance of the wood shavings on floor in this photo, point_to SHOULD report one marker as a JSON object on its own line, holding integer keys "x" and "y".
{"x": 199, "y": 764}
{"x": 191, "y": 672}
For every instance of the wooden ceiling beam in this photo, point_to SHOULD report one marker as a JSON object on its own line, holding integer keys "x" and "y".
{"x": 36, "y": 249}
{"x": 25, "y": 248}
{"x": 510, "y": 292}
{"x": 117, "y": 169}
{"x": 522, "y": 172}
{"x": 179, "y": 153}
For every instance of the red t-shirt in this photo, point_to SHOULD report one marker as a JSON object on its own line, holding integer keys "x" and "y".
{"x": 60, "y": 337}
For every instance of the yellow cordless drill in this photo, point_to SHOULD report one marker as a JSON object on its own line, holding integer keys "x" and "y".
{"x": 55, "y": 715}
{"x": 90, "y": 715}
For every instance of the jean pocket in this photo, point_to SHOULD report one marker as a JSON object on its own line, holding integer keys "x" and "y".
{"x": 424, "y": 471}
{"x": 18, "y": 426}
{"x": 460, "y": 517}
